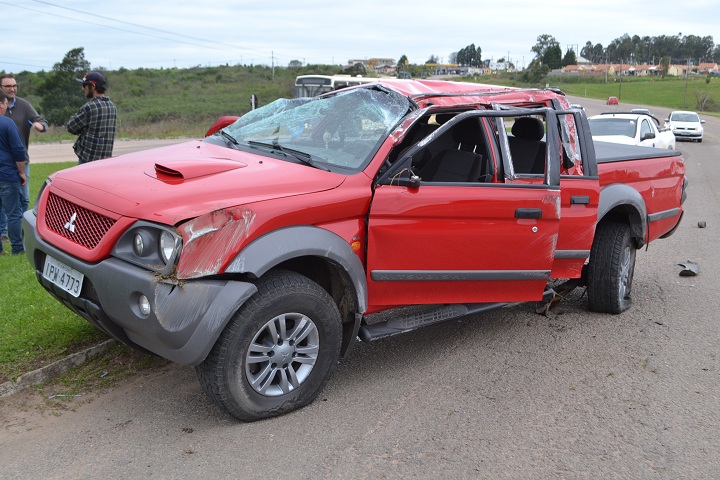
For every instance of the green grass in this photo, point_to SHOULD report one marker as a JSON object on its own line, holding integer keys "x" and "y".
{"x": 674, "y": 93}
{"x": 35, "y": 329}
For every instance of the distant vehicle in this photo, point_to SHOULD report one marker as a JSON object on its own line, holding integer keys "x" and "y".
{"x": 641, "y": 111}
{"x": 613, "y": 101}
{"x": 577, "y": 105}
{"x": 631, "y": 129}
{"x": 685, "y": 125}
{"x": 314, "y": 85}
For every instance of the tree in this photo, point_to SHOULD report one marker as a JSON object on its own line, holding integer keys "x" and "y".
{"x": 535, "y": 72}
{"x": 403, "y": 62}
{"x": 569, "y": 58}
{"x": 60, "y": 93}
{"x": 553, "y": 57}
{"x": 295, "y": 64}
{"x": 469, "y": 56}
{"x": 432, "y": 59}
{"x": 544, "y": 42}
{"x": 587, "y": 51}
{"x": 357, "y": 69}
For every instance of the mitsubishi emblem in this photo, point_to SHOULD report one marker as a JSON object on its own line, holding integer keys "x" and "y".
{"x": 71, "y": 224}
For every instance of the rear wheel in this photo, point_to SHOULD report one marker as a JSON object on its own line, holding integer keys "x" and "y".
{"x": 611, "y": 267}
{"x": 278, "y": 351}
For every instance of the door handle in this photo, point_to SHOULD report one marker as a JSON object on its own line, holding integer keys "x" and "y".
{"x": 528, "y": 213}
{"x": 579, "y": 200}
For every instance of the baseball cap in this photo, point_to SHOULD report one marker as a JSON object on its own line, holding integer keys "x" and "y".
{"x": 95, "y": 78}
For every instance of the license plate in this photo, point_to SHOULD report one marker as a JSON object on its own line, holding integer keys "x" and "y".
{"x": 63, "y": 276}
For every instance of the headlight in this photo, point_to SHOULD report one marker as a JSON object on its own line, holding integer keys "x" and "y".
{"x": 37, "y": 199}
{"x": 167, "y": 246}
{"x": 149, "y": 245}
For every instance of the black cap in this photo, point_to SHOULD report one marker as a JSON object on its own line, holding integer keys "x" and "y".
{"x": 94, "y": 78}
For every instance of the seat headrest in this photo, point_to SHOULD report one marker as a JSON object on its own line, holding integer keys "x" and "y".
{"x": 529, "y": 128}
{"x": 467, "y": 131}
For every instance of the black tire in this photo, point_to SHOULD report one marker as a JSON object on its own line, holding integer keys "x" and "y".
{"x": 611, "y": 267}
{"x": 256, "y": 369}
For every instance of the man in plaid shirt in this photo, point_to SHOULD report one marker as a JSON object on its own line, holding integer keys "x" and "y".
{"x": 94, "y": 122}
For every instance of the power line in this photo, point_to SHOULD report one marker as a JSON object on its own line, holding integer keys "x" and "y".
{"x": 102, "y": 25}
{"x": 213, "y": 43}
{"x": 132, "y": 24}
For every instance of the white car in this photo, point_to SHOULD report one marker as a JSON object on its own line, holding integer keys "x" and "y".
{"x": 685, "y": 125}
{"x": 631, "y": 129}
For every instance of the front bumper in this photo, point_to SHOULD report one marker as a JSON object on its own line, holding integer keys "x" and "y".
{"x": 185, "y": 319}
{"x": 687, "y": 134}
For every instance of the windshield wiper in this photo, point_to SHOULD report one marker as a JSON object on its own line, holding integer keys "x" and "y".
{"x": 228, "y": 137}
{"x": 299, "y": 155}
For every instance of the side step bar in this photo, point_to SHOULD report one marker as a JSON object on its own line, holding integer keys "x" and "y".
{"x": 408, "y": 323}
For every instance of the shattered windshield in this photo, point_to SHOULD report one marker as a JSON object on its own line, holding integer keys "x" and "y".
{"x": 342, "y": 130}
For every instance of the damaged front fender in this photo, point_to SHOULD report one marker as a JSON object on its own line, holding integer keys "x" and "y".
{"x": 207, "y": 237}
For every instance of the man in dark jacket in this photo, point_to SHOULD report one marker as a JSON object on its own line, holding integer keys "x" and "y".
{"x": 94, "y": 122}
{"x": 12, "y": 177}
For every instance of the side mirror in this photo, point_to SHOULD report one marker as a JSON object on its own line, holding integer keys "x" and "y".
{"x": 648, "y": 136}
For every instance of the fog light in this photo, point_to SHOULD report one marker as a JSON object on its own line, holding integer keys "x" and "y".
{"x": 144, "y": 305}
{"x": 138, "y": 245}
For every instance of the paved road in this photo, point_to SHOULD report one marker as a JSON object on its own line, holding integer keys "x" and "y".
{"x": 51, "y": 152}
{"x": 510, "y": 394}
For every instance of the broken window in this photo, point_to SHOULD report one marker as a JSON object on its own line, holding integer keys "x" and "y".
{"x": 342, "y": 130}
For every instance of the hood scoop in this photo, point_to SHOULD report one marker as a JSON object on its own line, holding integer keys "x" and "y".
{"x": 178, "y": 171}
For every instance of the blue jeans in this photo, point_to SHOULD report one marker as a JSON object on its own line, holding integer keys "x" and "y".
{"x": 10, "y": 201}
{"x": 24, "y": 201}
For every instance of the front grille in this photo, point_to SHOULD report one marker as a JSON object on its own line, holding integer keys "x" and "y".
{"x": 76, "y": 223}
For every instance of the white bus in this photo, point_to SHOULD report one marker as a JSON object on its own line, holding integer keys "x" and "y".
{"x": 313, "y": 85}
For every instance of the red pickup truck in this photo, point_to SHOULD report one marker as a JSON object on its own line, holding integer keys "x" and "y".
{"x": 261, "y": 253}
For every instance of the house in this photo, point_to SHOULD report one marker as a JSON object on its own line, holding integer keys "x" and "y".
{"x": 706, "y": 68}
{"x": 647, "y": 70}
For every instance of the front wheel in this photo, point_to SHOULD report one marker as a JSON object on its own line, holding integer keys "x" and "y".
{"x": 278, "y": 351}
{"x": 611, "y": 267}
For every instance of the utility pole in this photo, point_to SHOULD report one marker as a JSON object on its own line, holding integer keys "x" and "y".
{"x": 687, "y": 70}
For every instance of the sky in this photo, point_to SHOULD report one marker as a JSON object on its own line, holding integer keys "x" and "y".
{"x": 134, "y": 33}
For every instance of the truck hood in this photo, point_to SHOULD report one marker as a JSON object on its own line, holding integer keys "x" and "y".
{"x": 183, "y": 181}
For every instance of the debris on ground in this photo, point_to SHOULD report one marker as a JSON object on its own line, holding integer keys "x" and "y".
{"x": 690, "y": 269}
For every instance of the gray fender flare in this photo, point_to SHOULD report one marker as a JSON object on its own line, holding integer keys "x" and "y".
{"x": 275, "y": 247}
{"x": 621, "y": 195}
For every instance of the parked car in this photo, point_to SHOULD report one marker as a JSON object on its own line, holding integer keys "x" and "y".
{"x": 264, "y": 252}
{"x": 685, "y": 125}
{"x": 631, "y": 129}
{"x": 613, "y": 101}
